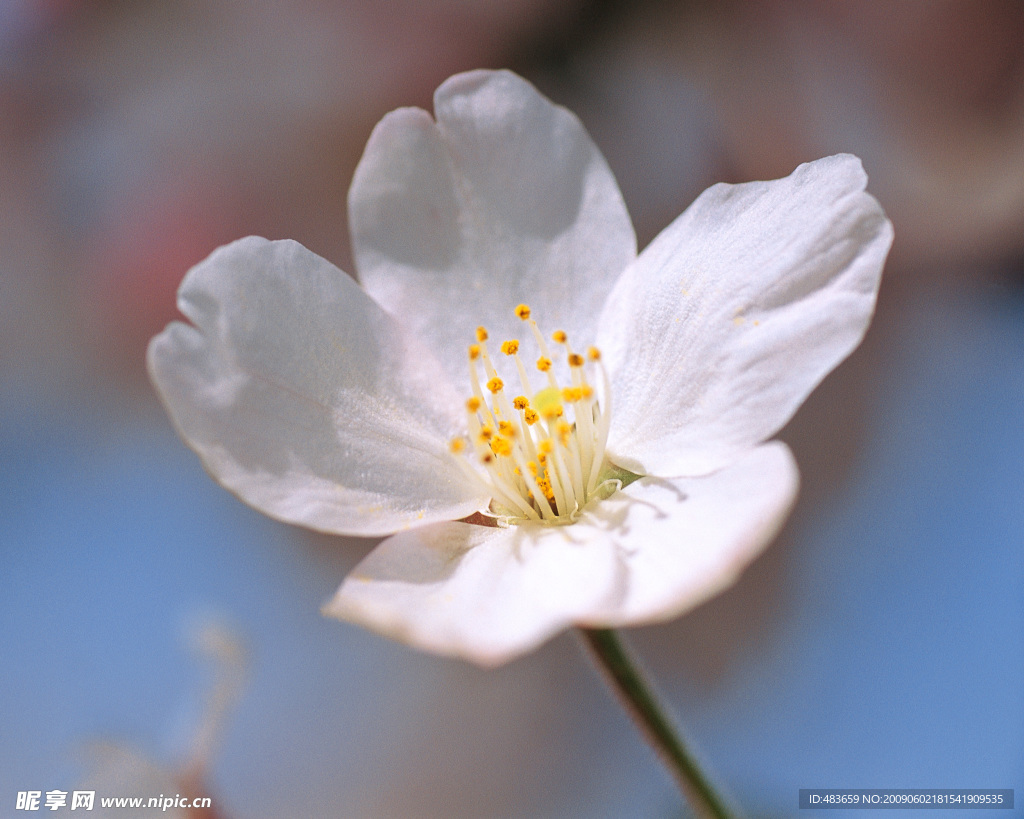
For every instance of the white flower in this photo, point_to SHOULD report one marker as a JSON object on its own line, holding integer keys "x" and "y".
{"x": 344, "y": 408}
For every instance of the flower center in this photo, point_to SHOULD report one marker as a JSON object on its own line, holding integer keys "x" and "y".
{"x": 539, "y": 454}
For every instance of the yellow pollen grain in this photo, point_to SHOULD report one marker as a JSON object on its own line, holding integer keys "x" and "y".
{"x": 510, "y": 347}
{"x": 559, "y": 336}
{"x": 506, "y": 429}
{"x": 523, "y": 311}
{"x": 474, "y": 352}
{"x": 545, "y": 486}
{"x": 481, "y": 333}
{"x": 543, "y": 364}
{"x": 495, "y": 384}
{"x": 501, "y": 446}
{"x": 593, "y": 354}
{"x": 530, "y": 416}
{"x": 473, "y": 404}
{"x": 520, "y": 402}
{"x": 575, "y": 360}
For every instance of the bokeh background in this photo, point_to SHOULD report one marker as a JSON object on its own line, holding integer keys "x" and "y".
{"x": 878, "y": 643}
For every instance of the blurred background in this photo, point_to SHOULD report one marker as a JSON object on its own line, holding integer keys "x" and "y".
{"x": 160, "y": 637}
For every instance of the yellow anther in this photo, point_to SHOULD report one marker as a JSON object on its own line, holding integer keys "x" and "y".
{"x": 495, "y": 384}
{"x": 486, "y": 432}
{"x": 506, "y": 429}
{"x": 481, "y": 333}
{"x": 510, "y": 347}
{"x": 586, "y": 391}
{"x": 545, "y": 447}
{"x": 474, "y": 352}
{"x": 575, "y": 360}
{"x": 520, "y": 402}
{"x": 571, "y": 394}
{"x": 486, "y": 458}
{"x": 457, "y": 445}
{"x": 473, "y": 404}
{"x": 563, "y": 429}
{"x": 593, "y": 354}
{"x": 532, "y": 467}
{"x": 530, "y": 416}
{"x": 543, "y": 364}
{"x": 559, "y": 336}
{"x": 523, "y": 311}
{"x": 501, "y": 446}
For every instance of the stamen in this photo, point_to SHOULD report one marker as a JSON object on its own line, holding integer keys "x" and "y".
{"x": 524, "y": 379}
{"x": 563, "y": 430}
{"x": 542, "y": 471}
{"x": 561, "y": 484}
{"x": 544, "y": 362}
{"x": 602, "y": 420}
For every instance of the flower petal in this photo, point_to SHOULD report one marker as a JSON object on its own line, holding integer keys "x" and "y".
{"x": 683, "y": 541}
{"x": 504, "y": 200}
{"x": 729, "y": 319}
{"x": 481, "y": 593}
{"x": 306, "y": 399}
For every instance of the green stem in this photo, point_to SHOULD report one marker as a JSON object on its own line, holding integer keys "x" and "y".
{"x": 635, "y": 692}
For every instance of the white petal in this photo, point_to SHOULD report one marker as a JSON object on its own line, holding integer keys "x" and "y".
{"x": 736, "y": 312}
{"x": 504, "y": 200}
{"x": 684, "y": 540}
{"x": 306, "y": 399}
{"x": 481, "y": 593}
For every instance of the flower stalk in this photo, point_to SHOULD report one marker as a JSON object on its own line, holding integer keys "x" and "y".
{"x": 637, "y": 695}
